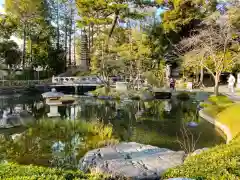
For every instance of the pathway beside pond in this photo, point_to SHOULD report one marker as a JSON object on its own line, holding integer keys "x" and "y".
{"x": 222, "y": 89}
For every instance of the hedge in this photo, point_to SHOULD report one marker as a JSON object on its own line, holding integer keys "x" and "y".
{"x": 10, "y": 171}
{"x": 219, "y": 163}
{"x": 230, "y": 117}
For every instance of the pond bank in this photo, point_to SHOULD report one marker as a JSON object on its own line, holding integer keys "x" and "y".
{"x": 219, "y": 125}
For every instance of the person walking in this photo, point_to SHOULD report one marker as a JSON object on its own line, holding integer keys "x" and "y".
{"x": 231, "y": 82}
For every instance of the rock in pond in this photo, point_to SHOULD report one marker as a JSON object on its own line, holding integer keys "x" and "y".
{"x": 180, "y": 179}
{"x": 199, "y": 151}
{"x": 131, "y": 160}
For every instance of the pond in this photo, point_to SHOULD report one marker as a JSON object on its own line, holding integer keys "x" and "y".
{"x": 56, "y": 142}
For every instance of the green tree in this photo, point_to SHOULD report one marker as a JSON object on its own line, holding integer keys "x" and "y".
{"x": 182, "y": 16}
{"x": 215, "y": 47}
{"x": 10, "y": 53}
{"x": 107, "y": 13}
{"x": 24, "y": 11}
{"x": 8, "y": 26}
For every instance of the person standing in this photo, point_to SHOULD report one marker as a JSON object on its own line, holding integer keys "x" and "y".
{"x": 172, "y": 83}
{"x": 231, "y": 82}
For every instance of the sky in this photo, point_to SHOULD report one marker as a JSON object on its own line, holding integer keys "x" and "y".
{"x": 1, "y": 5}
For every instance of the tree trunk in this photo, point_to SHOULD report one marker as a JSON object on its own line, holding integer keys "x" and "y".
{"x": 70, "y": 38}
{"x": 89, "y": 37}
{"x": 58, "y": 30}
{"x": 216, "y": 86}
{"x": 31, "y": 51}
{"x": 92, "y": 36}
{"x": 112, "y": 28}
{"x": 66, "y": 41}
{"x": 201, "y": 77}
{"x": 74, "y": 45}
{"x": 24, "y": 45}
{"x": 113, "y": 24}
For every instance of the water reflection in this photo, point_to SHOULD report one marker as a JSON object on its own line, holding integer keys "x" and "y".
{"x": 57, "y": 143}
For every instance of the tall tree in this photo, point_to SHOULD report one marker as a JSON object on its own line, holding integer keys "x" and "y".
{"x": 10, "y": 53}
{"x": 24, "y": 11}
{"x": 215, "y": 46}
{"x": 109, "y": 13}
{"x": 8, "y": 26}
{"x": 182, "y": 16}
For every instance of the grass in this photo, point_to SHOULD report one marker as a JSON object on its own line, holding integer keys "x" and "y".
{"x": 225, "y": 111}
{"x": 216, "y": 104}
{"x": 230, "y": 117}
{"x": 218, "y": 163}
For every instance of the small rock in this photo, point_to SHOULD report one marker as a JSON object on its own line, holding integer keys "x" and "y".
{"x": 179, "y": 179}
{"x": 199, "y": 151}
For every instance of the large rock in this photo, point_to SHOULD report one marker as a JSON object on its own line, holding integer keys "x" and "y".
{"x": 131, "y": 160}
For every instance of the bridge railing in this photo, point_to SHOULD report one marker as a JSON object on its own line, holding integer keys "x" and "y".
{"x": 76, "y": 80}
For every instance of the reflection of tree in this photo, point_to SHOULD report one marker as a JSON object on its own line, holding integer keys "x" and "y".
{"x": 34, "y": 146}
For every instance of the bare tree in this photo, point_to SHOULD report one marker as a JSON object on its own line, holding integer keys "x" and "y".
{"x": 214, "y": 47}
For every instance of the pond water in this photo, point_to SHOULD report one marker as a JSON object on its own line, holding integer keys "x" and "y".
{"x": 161, "y": 123}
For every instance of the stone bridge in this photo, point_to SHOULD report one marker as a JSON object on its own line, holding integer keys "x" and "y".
{"x": 77, "y": 80}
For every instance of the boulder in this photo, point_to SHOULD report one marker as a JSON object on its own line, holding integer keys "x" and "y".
{"x": 131, "y": 160}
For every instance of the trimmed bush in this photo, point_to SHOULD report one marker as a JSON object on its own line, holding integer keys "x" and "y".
{"x": 216, "y": 104}
{"x": 219, "y": 163}
{"x": 230, "y": 117}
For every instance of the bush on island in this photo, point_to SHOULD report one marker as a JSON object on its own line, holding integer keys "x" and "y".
{"x": 184, "y": 96}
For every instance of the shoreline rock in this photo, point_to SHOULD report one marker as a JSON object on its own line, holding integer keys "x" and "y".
{"x": 131, "y": 160}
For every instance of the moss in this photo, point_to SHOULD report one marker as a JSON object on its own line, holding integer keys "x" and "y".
{"x": 219, "y": 163}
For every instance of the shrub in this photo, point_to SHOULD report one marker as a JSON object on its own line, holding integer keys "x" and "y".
{"x": 217, "y": 104}
{"x": 230, "y": 117}
{"x": 219, "y": 163}
{"x": 19, "y": 172}
{"x": 183, "y": 96}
